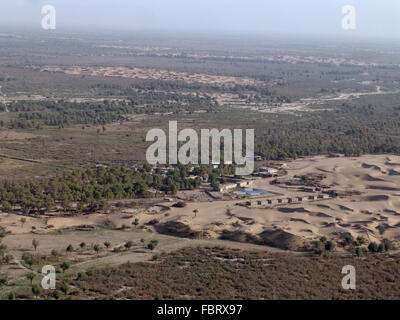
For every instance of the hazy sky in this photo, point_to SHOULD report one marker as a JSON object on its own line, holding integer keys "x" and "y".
{"x": 375, "y": 18}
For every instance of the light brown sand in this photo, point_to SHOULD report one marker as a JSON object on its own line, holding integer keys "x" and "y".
{"x": 375, "y": 177}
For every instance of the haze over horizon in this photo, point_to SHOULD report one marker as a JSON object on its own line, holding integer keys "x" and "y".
{"x": 375, "y": 19}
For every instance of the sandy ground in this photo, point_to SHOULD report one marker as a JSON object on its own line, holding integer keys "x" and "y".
{"x": 154, "y": 74}
{"x": 373, "y": 214}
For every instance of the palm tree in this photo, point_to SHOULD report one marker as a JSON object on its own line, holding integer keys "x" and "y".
{"x": 30, "y": 276}
{"x": 195, "y": 211}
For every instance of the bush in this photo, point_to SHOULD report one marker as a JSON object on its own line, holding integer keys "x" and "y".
{"x": 152, "y": 245}
{"x": 387, "y": 244}
{"x": 65, "y": 266}
{"x": 381, "y": 228}
{"x": 36, "y": 290}
{"x": 107, "y": 244}
{"x": 373, "y": 247}
{"x": 29, "y": 259}
{"x": 329, "y": 246}
{"x": 3, "y": 280}
{"x": 349, "y": 239}
{"x": 64, "y": 288}
{"x": 180, "y": 204}
{"x": 361, "y": 240}
{"x": 56, "y": 295}
{"x": 128, "y": 244}
{"x": 97, "y": 248}
{"x": 319, "y": 248}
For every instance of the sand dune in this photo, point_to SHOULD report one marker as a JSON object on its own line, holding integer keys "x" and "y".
{"x": 374, "y": 212}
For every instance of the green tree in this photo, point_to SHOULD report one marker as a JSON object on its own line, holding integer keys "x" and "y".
{"x": 56, "y": 294}
{"x": 361, "y": 240}
{"x": 22, "y": 220}
{"x": 97, "y": 248}
{"x": 31, "y": 276}
{"x": 107, "y": 244}
{"x": 349, "y": 239}
{"x": 152, "y": 245}
{"x": 373, "y": 247}
{"x": 387, "y": 244}
{"x": 65, "y": 266}
{"x": 36, "y": 290}
{"x": 35, "y": 243}
{"x": 128, "y": 244}
{"x": 329, "y": 246}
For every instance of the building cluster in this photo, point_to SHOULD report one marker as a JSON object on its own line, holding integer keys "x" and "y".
{"x": 288, "y": 200}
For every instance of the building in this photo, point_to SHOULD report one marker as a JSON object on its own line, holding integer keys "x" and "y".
{"x": 227, "y": 187}
{"x": 268, "y": 170}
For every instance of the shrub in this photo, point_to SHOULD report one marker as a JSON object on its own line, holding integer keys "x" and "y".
{"x": 319, "y": 248}
{"x": 381, "y": 229}
{"x": 36, "y": 290}
{"x": 361, "y": 240}
{"x": 107, "y": 244}
{"x": 387, "y": 244}
{"x": 329, "y": 246}
{"x": 3, "y": 280}
{"x": 152, "y": 245}
{"x": 180, "y": 204}
{"x": 373, "y": 247}
{"x": 56, "y": 295}
{"x": 64, "y": 288}
{"x": 65, "y": 266}
{"x": 128, "y": 244}
{"x": 97, "y": 248}
{"x": 349, "y": 239}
